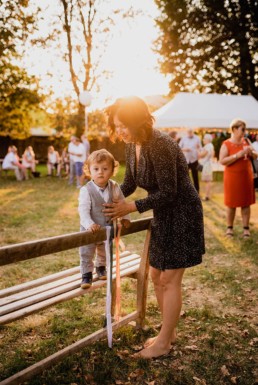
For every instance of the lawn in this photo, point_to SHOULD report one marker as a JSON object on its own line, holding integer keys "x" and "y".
{"x": 216, "y": 334}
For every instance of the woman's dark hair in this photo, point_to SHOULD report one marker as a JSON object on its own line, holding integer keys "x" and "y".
{"x": 133, "y": 112}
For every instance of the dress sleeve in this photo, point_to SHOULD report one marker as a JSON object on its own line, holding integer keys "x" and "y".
{"x": 129, "y": 185}
{"x": 164, "y": 161}
{"x": 84, "y": 209}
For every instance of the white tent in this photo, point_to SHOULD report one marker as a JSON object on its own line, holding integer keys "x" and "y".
{"x": 207, "y": 111}
{"x": 42, "y": 131}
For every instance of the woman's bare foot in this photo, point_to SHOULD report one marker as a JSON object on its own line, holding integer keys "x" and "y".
{"x": 153, "y": 351}
{"x": 151, "y": 340}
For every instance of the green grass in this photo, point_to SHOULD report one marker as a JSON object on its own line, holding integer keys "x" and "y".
{"x": 216, "y": 334}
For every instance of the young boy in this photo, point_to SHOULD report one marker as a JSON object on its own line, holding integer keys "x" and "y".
{"x": 99, "y": 167}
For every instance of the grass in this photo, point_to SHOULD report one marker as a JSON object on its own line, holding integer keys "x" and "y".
{"x": 216, "y": 334}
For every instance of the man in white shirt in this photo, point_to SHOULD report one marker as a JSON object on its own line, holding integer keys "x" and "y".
{"x": 79, "y": 156}
{"x": 11, "y": 162}
{"x": 190, "y": 146}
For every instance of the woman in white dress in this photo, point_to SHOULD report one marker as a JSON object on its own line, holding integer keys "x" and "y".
{"x": 206, "y": 155}
{"x": 28, "y": 159}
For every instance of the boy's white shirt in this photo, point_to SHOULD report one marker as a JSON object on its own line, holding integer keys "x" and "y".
{"x": 85, "y": 202}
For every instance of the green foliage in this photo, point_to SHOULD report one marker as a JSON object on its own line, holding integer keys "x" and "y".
{"x": 18, "y": 92}
{"x": 67, "y": 119}
{"x": 16, "y": 106}
{"x": 209, "y": 45}
{"x": 15, "y": 25}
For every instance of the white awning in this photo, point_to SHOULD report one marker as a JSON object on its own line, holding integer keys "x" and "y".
{"x": 207, "y": 111}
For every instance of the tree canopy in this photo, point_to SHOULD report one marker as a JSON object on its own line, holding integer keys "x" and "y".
{"x": 210, "y": 46}
{"x": 18, "y": 91}
{"x": 87, "y": 25}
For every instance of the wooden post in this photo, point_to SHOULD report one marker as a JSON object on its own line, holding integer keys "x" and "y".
{"x": 142, "y": 282}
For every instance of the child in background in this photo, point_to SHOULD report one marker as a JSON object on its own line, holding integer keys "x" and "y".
{"x": 100, "y": 167}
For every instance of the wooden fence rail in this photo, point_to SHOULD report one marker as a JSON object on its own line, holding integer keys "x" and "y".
{"x": 28, "y": 250}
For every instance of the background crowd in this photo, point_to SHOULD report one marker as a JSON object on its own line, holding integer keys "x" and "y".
{"x": 67, "y": 163}
{"x": 199, "y": 155}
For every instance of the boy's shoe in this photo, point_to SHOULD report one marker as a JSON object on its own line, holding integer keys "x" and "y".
{"x": 101, "y": 272}
{"x": 86, "y": 280}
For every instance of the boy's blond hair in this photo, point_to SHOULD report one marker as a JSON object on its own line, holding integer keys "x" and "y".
{"x": 97, "y": 157}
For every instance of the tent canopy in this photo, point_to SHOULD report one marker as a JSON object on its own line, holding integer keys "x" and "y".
{"x": 207, "y": 111}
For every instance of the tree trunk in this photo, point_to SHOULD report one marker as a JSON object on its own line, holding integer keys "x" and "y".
{"x": 80, "y": 121}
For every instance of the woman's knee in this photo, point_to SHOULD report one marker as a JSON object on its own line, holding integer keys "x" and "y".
{"x": 155, "y": 275}
{"x": 172, "y": 277}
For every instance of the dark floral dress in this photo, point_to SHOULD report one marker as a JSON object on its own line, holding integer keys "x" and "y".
{"x": 177, "y": 237}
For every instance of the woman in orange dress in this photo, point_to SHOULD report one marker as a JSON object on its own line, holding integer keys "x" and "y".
{"x": 239, "y": 190}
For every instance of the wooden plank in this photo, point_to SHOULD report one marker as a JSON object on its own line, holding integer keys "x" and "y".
{"x": 124, "y": 262}
{"x": 23, "y": 292}
{"x": 55, "y": 291}
{"x": 28, "y": 250}
{"x": 50, "y": 361}
{"x": 37, "y": 282}
{"x": 37, "y": 290}
{"x": 43, "y": 280}
{"x": 59, "y": 298}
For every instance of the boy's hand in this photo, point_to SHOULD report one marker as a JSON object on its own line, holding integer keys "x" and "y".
{"x": 126, "y": 223}
{"x": 94, "y": 228}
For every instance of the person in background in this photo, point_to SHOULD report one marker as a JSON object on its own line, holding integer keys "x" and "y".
{"x": 190, "y": 145}
{"x": 255, "y": 147}
{"x": 174, "y": 136}
{"x": 156, "y": 163}
{"x": 65, "y": 161}
{"x": 86, "y": 144}
{"x": 206, "y": 154}
{"x": 28, "y": 160}
{"x": 53, "y": 162}
{"x": 99, "y": 167}
{"x": 71, "y": 148}
{"x": 12, "y": 162}
{"x": 79, "y": 157}
{"x": 239, "y": 191}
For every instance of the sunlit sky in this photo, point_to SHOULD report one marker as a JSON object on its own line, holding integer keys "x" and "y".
{"x": 129, "y": 57}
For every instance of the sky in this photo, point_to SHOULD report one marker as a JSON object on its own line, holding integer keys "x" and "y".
{"x": 129, "y": 57}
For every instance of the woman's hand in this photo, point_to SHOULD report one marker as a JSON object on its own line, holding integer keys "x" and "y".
{"x": 126, "y": 223}
{"x": 247, "y": 150}
{"x": 118, "y": 209}
{"x": 94, "y": 228}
